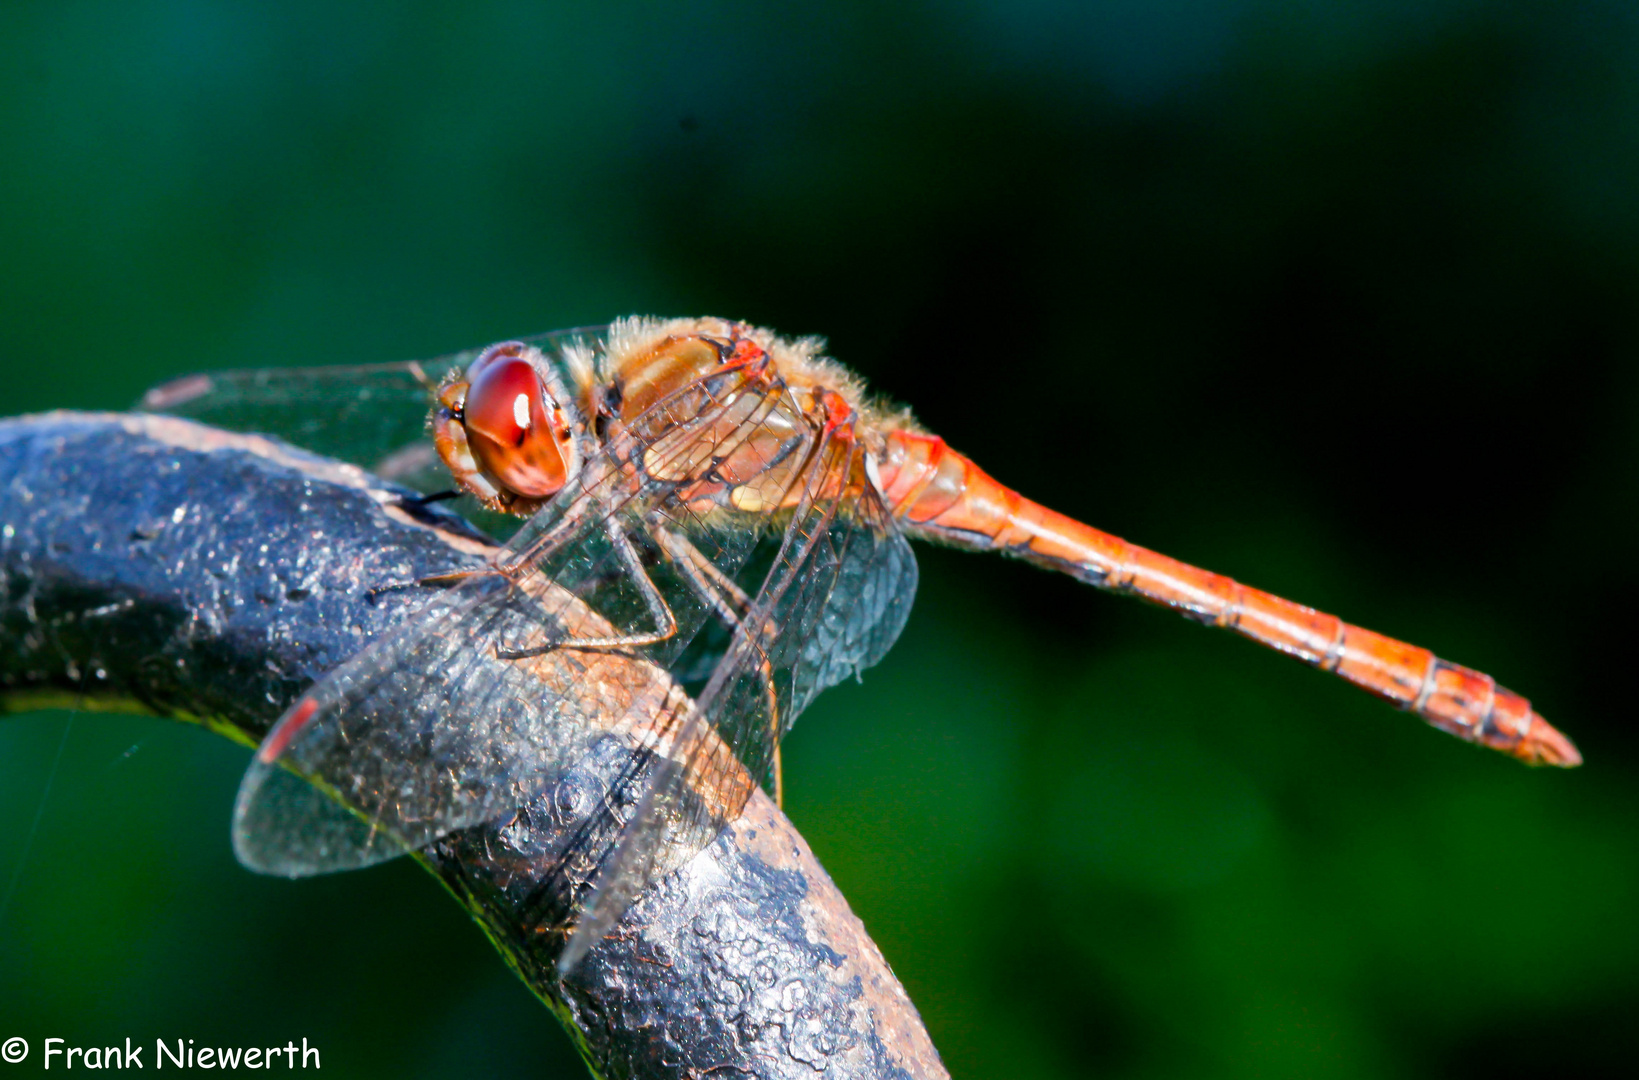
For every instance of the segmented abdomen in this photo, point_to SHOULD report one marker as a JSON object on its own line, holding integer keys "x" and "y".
{"x": 941, "y": 495}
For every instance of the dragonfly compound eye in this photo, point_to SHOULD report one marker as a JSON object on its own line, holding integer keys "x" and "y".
{"x": 513, "y": 427}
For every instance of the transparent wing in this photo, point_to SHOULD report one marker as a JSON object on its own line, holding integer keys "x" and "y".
{"x": 835, "y": 597}
{"x": 373, "y": 415}
{"x": 492, "y": 691}
{"x": 358, "y": 413}
{"x": 491, "y": 694}
{"x": 430, "y": 731}
{"x": 833, "y": 602}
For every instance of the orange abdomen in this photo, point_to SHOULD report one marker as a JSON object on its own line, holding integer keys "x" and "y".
{"x": 941, "y": 495}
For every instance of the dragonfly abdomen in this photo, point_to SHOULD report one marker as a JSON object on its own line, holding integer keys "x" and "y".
{"x": 943, "y": 496}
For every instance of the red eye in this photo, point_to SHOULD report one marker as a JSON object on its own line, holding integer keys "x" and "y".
{"x": 502, "y": 351}
{"x": 508, "y": 429}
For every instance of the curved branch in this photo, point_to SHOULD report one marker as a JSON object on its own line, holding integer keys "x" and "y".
{"x": 159, "y": 566}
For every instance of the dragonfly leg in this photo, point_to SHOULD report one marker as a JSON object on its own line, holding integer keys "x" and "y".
{"x": 665, "y": 621}
{"x": 731, "y": 604}
{"x": 726, "y": 598}
{"x": 436, "y": 581}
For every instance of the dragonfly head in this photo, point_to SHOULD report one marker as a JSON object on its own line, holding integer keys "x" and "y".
{"x": 502, "y": 434}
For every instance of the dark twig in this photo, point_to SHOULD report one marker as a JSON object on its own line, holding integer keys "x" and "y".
{"x": 179, "y": 570}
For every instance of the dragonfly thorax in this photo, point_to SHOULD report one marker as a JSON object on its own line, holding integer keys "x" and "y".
{"x": 647, "y": 376}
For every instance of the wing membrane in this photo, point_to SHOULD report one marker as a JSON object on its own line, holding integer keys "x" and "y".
{"x": 358, "y": 413}
{"x": 373, "y": 415}
{"x": 484, "y": 700}
{"x": 423, "y": 733}
{"x": 833, "y": 602}
{"x": 433, "y": 728}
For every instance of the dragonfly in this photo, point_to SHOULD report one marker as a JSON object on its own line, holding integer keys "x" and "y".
{"x": 730, "y": 507}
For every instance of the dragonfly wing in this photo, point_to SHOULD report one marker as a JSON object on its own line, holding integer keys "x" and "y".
{"x": 358, "y": 413}
{"x": 373, "y": 415}
{"x": 485, "y": 697}
{"x": 834, "y": 600}
{"x": 484, "y": 700}
{"x": 428, "y": 730}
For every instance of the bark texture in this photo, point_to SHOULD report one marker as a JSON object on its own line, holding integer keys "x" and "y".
{"x": 154, "y": 565}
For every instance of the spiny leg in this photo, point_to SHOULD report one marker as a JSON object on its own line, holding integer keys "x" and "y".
{"x": 436, "y": 581}
{"x": 731, "y": 605}
{"x": 665, "y": 621}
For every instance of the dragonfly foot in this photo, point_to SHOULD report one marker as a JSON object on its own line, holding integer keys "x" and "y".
{"x": 433, "y": 581}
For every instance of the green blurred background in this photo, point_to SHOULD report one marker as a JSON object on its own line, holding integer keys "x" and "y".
{"x": 1339, "y": 298}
